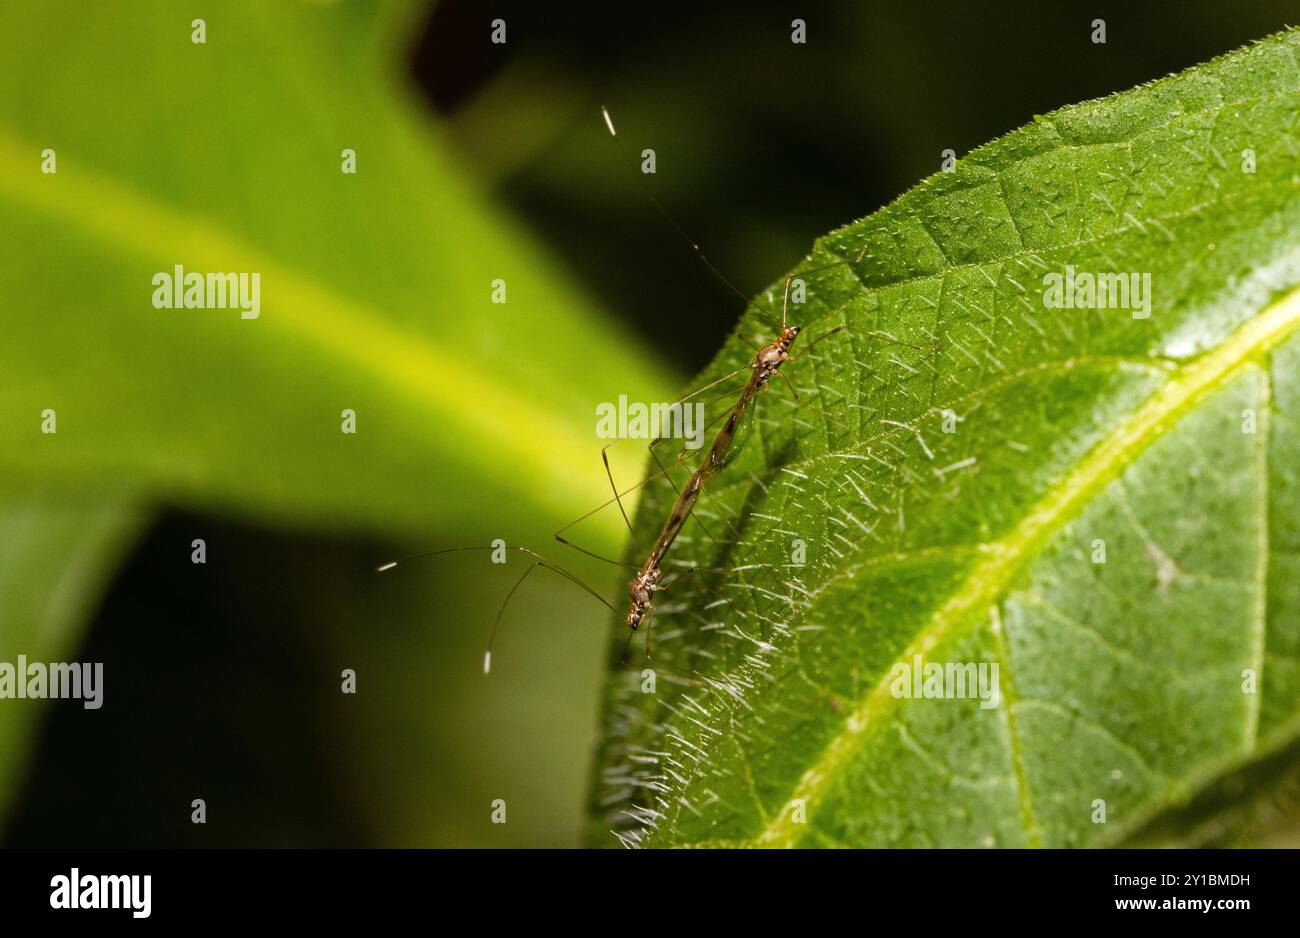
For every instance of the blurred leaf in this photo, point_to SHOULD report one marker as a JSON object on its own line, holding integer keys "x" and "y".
{"x": 431, "y": 742}
{"x": 376, "y": 291}
{"x": 56, "y": 554}
{"x": 1257, "y": 805}
{"x": 375, "y": 287}
{"x": 954, "y": 465}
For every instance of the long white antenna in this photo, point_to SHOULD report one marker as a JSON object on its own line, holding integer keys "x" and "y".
{"x": 672, "y": 222}
{"x": 538, "y": 561}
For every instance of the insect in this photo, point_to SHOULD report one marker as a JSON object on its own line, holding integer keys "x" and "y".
{"x": 649, "y": 576}
{"x": 766, "y": 364}
{"x": 720, "y": 453}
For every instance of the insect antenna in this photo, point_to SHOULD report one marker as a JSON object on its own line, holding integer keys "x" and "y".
{"x": 672, "y": 222}
{"x": 750, "y": 301}
{"x": 538, "y": 561}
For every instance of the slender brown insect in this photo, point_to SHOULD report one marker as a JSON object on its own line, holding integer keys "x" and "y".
{"x": 721, "y": 452}
{"x": 726, "y": 445}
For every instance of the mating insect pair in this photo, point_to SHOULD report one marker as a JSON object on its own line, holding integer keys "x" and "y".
{"x": 725, "y": 446}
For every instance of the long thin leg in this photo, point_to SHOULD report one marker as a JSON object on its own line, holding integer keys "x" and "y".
{"x": 664, "y": 471}
{"x": 609, "y": 474}
{"x": 825, "y": 335}
{"x": 710, "y": 385}
{"x": 694, "y": 517}
{"x": 789, "y": 384}
{"x": 538, "y": 561}
{"x": 618, "y": 498}
{"x": 845, "y": 327}
{"x": 682, "y": 453}
{"x": 492, "y": 636}
{"x": 650, "y": 478}
{"x": 694, "y": 570}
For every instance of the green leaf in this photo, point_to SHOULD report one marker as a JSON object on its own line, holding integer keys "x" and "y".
{"x": 376, "y": 295}
{"x": 57, "y": 552}
{"x": 1257, "y": 805}
{"x": 376, "y": 287}
{"x": 778, "y": 716}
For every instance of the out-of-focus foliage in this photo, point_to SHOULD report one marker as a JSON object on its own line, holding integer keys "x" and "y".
{"x": 223, "y": 679}
{"x": 56, "y": 553}
{"x": 376, "y": 296}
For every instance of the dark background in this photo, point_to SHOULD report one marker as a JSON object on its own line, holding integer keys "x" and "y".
{"x": 762, "y": 146}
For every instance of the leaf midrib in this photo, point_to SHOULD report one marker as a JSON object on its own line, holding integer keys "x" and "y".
{"x": 1259, "y": 623}
{"x": 990, "y": 576}
{"x": 502, "y": 421}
